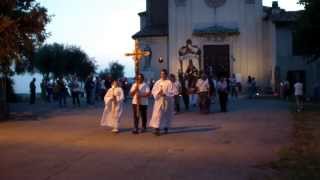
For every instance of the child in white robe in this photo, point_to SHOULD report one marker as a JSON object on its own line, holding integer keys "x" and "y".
{"x": 113, "y": 107}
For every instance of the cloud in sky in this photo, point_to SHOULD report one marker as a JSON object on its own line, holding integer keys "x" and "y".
{"x": 103, "y": 28}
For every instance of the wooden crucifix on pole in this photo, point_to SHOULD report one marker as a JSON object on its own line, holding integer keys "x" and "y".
{"x": 138, "y": 54}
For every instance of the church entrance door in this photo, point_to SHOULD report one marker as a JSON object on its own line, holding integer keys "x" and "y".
{"x": 217, "y": 60}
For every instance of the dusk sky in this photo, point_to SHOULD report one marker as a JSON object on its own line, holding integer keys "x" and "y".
{"x": 104, "y": 28}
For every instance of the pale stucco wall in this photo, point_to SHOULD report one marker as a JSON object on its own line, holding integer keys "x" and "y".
{"x": 247, "y": 48}
{"x": 287, "y": 61}
{"x": 269, "y": 52}
{"x": 159, "y": 48}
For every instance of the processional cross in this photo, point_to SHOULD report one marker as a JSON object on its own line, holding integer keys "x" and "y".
{"x": 137, "y": 55}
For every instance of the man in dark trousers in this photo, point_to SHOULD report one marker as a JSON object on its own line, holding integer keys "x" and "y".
{"x": 140, "y": 93}
{"x": 184, "y": 90}
{"x": 89, "y": 87}
{"x": 223, "y": 94}
{"x": 33, "y": 91}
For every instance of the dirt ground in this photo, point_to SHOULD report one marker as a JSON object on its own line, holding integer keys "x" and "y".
{"x": 44, "y": 142}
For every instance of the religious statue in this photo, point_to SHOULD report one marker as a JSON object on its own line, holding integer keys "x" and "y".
{"x": 192, "y": 74}
{"x": 189, "y": 52}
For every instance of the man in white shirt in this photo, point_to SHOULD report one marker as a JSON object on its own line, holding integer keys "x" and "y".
{"x": 140, "y": 92}
{"x": 203, "y": 86}
{"x": 298, "y": 92}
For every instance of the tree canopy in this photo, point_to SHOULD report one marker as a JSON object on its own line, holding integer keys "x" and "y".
{"x": 115, "y": 71}
{"x": 308, "y": 29}
{"x": 22, "y": 30}
{"x": 60, "y": 60}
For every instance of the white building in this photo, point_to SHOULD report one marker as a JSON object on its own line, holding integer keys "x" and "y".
{"x": 239, "y": 37}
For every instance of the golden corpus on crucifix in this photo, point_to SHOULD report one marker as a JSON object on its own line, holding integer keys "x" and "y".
{"x": 138, "y": 54}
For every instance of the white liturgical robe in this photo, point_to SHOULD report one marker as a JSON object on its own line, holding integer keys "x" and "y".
{"x": 113, "y": 108}
{"x": 163, "y": 105}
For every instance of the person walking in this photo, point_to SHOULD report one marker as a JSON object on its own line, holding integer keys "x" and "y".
{"x": 249, "y": 87}
{"x": 140, "y": 93}
{"x": 184, "y": 91}
{"x": 89, "y": 88}
{"x": 113, "y": 107}
{"x": 177, "y": 86}
{"x": 286, "y": 90}
{"x": 62, "y": 92}
{"x": 223, "y": 94}
{"x": 75, "y": 91}
{"x": 233, "y": 87}
{"x": 298, "y": 92}
{"x": 192, "y": 75}
{"x": 163, "y": 92}
{"x": 203, "y": 87}
{"x": 49, "y": 88}
{"x": 98, "y": 89}
{"x": 32, "y": 87}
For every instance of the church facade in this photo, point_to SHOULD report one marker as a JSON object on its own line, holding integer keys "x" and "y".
{"x": 222, "y": 37}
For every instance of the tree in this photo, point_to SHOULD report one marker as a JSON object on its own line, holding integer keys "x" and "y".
{"x": 47, "y": 58}
{"x": 22, "y": 29}
{"x": 308, "y": 29}
{"x": 59, "y": 60}
{"x": 116, "y": 70}
{"x": 78, "y": 63}
{"x": 104, "y": 73}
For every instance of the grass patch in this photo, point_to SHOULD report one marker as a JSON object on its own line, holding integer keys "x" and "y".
{"x": 301, "y": 160}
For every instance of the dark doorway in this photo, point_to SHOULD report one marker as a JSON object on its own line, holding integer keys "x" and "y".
{"x": 294, "y": 76}
{"x": 217, "y": 60}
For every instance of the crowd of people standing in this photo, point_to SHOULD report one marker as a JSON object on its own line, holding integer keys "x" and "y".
{"x": 59, "y": 90}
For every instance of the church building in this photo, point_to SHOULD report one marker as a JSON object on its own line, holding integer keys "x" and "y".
{"x": 223, "y": 37}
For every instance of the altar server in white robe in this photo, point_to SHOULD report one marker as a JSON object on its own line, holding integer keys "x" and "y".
{"x": 163, "y": 92}
{"x": 113, "y": 107}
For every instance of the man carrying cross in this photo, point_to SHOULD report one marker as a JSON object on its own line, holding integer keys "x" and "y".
{"x": 139, "y": 91}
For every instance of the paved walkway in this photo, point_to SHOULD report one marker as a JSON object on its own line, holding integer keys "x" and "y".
{"x": 69, "y": 145}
